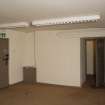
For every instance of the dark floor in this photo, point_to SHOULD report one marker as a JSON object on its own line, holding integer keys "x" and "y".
{"x": 90, "y": 81}
{"x": 41, "y": 94}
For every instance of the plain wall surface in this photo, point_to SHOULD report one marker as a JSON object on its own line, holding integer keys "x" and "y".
{"x": 16, "y": 55}
{"x": 29, "y": 50}
{"x": 90, "y": 57}
{"x": 58, "y": 55}
{"x": 57, "y": 59}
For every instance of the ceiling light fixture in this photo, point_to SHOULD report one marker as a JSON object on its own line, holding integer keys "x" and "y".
{"x": 14, "y": 25}
{"x": 77, "y": 19}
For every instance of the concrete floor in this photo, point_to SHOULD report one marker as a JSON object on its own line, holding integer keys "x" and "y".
{"x": 41, "y": 94}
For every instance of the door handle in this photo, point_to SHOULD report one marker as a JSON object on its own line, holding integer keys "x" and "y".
{"x": 5, "y": 59}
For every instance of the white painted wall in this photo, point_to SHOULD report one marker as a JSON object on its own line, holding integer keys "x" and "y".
{"x": 58, "y": 55}
{"x": 29, "y": 50}
{"x": 90, "y": 57}
{"x": 16, "y": 55}
{"x": 57, "y": 59}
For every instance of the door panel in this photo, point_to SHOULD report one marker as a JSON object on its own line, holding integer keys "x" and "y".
{"x": 104, "y": 62}
{"x": 4, "y": 63}
{"x": 99, "y": 62}
{"x": 83, "y": 61}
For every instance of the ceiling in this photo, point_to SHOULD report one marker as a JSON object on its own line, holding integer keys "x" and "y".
{"x": 29, "y": 10}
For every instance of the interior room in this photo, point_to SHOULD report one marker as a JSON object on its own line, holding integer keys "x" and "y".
{"x": 52, "y": 52}
{"x": 94, "y": 61}
{"x": 90, "y": 63}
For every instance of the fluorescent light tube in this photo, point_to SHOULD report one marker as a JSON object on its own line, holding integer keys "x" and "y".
{"x": 77, "y": 19}
{"x": 14, "y": 25}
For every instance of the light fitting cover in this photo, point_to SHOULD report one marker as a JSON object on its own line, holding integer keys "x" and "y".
{"x": 77, "y": 19}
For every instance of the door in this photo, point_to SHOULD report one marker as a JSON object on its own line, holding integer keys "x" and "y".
{"x": 83, "y": 60}
{"x": 4, "y": 63}
{"x": 99, "y": 62}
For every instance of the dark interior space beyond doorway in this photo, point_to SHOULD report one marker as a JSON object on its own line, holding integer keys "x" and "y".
{"x": 92, "y": 61}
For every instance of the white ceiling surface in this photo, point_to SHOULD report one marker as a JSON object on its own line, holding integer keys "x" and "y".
{"x": 29, "y": 10}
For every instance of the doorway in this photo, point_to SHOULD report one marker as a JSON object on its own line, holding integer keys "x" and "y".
{"x": 4, "y": 55}
{"x": 92, "y": 62}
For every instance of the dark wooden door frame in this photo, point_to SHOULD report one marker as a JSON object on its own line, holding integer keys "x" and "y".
{"x": 100, "y": 62}
{"x": 87, "y": 39}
